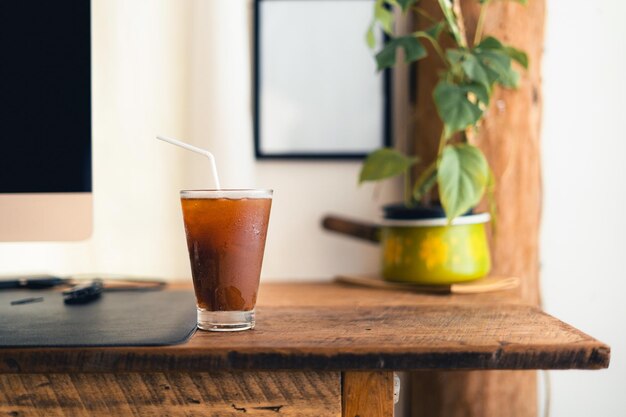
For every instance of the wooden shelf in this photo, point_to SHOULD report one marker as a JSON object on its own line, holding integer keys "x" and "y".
{"x": 337, "y": 327}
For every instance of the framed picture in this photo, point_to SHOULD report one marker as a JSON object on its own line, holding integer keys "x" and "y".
{"x": 317, "y": 93}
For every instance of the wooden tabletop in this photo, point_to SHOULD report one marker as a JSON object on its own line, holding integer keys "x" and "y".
{"x": 339, "y": 327}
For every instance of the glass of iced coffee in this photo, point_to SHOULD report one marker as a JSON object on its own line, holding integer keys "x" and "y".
{"x": 226, "y": 232}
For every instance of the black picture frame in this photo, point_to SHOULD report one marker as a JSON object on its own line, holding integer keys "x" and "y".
{"x": 385, "y": 140}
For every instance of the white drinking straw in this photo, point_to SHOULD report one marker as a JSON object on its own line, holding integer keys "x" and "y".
{"x": 196, "y": 150}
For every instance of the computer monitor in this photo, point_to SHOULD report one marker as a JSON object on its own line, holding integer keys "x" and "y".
{"x": 45, "y": 120}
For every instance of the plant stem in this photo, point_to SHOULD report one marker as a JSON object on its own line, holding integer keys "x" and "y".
{"x": 426, "y": 173}
{"x": 442, "y": 144}
{"x": 439, "y": 52}
{"x": 481, "y": 23}
{"x": 407, "y": 188}
{"x": 435, "y": 45}
{"x": 456, "y": 7}
{"x": 424, "y": 13}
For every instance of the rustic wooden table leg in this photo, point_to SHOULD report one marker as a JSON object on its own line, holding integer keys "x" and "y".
{"x": 367, "y": 394}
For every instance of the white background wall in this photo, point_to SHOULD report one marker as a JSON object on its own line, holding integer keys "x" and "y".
{"x": 182, "y": 68}
{"x": 584, "y": 142}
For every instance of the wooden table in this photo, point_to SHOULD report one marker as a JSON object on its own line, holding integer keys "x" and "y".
{"x": 319, "y": 349}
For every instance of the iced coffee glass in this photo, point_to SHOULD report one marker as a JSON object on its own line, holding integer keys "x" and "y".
{"x": 226, "y": 232}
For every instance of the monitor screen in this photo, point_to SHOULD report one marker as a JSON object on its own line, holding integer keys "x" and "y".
{"x": 45, "y": 120}
{"x": 45, "y": 96}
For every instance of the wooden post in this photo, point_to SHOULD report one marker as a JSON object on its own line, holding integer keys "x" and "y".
{"x": 510, "y": 139}
{"x": 367, "y": 394}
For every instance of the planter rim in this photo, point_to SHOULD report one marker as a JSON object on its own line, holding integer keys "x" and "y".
{"x": 461, "y": 220}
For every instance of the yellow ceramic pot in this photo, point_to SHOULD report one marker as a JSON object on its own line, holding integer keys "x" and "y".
{"x": 430, "y": 252}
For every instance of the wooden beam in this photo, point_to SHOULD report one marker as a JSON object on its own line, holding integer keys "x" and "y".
{"x": 368, "y": 394}
{"x": 219, "y": 394}
{"x": 510, "y": 139}
{"x": 472, "y": 393}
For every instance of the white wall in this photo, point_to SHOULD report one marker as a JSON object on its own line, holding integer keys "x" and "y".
{"x": 297, "y": 248}
{"x": 584, "y": 143}
{"x": 183, "y": 69}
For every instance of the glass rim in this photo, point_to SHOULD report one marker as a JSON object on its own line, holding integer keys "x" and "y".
{"x": 228, "y": 193}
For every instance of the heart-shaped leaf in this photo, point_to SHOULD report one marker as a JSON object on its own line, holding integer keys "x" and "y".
{"x": 471, "y": 65}
{"x": 385, "y": 163}
{"x": 454, "y": 107}
{"x": 490, "y": 43}
{"x": 462, "y": 176}
{"x": 413, "y": 50}
{"x": 384, "y": 16}
{"x": 480, "y": 91}
{"x": 517, "y": 55}
{"x": 495, "y": 58}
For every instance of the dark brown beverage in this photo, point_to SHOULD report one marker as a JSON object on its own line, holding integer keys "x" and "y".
{"x": 226, "y": 233}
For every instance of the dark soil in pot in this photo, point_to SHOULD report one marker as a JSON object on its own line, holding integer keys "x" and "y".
{"x": 399, "y": 211}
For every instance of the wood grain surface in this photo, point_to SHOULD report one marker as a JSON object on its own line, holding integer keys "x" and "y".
{"x": 471, "y": 393}
{"x": 368, "y": 394}
{"x": 401, "y": 337}
{"x": 306, "y": 394}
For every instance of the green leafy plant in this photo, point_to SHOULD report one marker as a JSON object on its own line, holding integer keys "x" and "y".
{"x": 462, "y": 95}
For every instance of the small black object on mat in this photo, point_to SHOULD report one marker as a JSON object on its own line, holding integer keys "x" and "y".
{"x": 83, "y": 293}
{"x": 150, "y": 318}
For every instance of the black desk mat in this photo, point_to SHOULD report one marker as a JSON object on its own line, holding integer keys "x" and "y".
{"x": 131, "y": 318}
